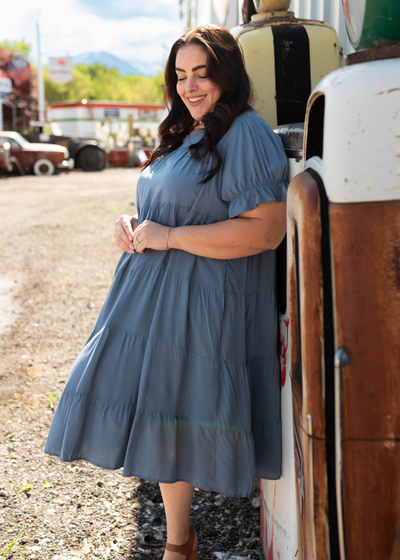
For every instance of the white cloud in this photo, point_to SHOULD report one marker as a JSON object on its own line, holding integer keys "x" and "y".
{"x": 68, "y": 29}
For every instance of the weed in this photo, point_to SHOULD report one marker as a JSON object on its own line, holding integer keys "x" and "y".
{"x": 50, "y": 399}
{"x": 27, "y": 488}
{"x": 12, "y": 545}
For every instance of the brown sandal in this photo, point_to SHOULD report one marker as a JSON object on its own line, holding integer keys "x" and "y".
{"x": 186, "y": 548}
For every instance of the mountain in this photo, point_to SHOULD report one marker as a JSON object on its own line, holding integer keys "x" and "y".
{"x": 125, "y": 68}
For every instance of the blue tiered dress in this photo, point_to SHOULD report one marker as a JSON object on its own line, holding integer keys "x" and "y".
{"x": 179, "y": 379}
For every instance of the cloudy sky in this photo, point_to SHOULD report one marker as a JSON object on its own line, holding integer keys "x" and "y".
{"x": 129, "y": 29}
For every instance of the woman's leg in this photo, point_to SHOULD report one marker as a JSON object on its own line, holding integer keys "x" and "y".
{"x": 177, "y": 498}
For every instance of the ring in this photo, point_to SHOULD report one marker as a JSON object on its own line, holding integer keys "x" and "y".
{"x": 137, "y": 241}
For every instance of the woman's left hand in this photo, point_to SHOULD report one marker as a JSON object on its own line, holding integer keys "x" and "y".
{"x": 150, "y": 235}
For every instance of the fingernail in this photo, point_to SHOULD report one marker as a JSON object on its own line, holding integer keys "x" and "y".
{"x": 131, "y": 246}
{"x": 130, "y": 238}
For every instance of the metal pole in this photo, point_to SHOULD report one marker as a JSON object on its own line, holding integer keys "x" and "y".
{"x": 1, "y": 113}
{"x": 40, "y": 78}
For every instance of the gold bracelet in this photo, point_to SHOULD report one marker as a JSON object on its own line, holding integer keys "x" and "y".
{"x": 166, "y": 238}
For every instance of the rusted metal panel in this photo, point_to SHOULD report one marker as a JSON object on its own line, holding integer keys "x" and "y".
{"x": 304, "y": 215}
{"x": 312, "y": 499}
{"x": 371, "y": 472}
{"x": 366, "y": 260}
{"x": 366, "y": 267}
{"x": 307, "y": 365}
{"x": 367, "y": 55}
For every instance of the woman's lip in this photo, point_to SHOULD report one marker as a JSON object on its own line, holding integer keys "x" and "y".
{"x": 195, "y": 103}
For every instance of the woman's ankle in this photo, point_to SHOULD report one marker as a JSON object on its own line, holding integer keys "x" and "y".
{"x": 178, "y": 536}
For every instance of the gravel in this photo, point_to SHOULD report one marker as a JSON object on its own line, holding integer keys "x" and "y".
{"x": 57, "y": 260}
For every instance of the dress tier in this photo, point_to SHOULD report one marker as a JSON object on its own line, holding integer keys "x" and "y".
{"x": 179, "y": 379}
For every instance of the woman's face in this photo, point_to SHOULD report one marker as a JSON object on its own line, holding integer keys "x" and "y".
{"x": 196, "y": 90}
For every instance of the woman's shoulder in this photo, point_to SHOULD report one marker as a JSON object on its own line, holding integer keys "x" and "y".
{"x": 250, "y": 117}
{"x": 248, "y": 125}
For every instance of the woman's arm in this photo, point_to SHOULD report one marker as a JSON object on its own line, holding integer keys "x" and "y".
{"x": 249, "y": 233}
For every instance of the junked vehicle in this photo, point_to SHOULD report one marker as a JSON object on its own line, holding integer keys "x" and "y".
{"x": 6, "y": 165}
{"x": 39, "y": 159}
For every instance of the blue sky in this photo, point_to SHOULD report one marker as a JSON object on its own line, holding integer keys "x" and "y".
{"x": 122, "y": 9}
{"x": 130, "y": 29}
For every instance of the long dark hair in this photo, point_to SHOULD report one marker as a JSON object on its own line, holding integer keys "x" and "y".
{"x": 225, "y": 67}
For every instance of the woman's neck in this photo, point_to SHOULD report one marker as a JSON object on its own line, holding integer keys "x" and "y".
{"x": 197, "y": 125}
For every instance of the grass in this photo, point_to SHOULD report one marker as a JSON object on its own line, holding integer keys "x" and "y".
{"x": 9, "y": 547}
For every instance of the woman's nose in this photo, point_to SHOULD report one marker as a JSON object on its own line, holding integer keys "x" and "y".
{"x": 190, "y": 85}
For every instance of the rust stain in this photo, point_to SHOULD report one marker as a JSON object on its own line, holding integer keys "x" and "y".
{"x": 271, "y": 546}
{"x": 366, "y": 267}
{"x": 264, "y": 532}
{"x": 284, "y": 349}
{"x": 392, "y": 90}
{"x": 305, "y": 252}
{"x": 274, "y": 20}
{"x": 278, "y": 20}
{"x": 378, "y": 53}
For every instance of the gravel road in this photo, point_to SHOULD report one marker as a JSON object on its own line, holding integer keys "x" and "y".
{"x": 57, "y": 260}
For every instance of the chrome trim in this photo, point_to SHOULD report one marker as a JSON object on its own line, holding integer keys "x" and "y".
{"x": 342, "y": 359}
{"x": 311, "y": 485}
{"x": 66, "y": 164}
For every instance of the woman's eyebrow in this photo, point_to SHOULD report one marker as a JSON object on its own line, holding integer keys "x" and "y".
{"x": 193, "y": 69}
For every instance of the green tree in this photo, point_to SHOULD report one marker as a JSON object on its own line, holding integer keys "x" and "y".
{"x": 97, "y": 81}
{"x": 17, "y": 48}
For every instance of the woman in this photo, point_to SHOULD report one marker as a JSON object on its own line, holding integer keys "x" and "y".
{"x": 179, "y": 381}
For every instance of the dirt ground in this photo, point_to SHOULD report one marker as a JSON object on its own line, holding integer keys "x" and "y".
{"x": 57, "y": 260}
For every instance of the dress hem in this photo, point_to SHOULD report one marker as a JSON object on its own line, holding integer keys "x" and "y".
{"x": 135, "y": 475}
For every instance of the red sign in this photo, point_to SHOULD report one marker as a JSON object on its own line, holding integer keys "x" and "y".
{"x": 19, "y": 69}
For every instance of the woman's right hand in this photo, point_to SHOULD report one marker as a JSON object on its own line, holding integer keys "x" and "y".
{"x": 123, "y": 233}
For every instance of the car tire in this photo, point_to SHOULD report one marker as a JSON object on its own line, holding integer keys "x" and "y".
{"x": 17, "y": 168}
{"x": 43, "y": 166}
{"x": 92, "y": 159}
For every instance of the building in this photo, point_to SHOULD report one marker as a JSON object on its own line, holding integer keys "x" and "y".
{"x": 110, "y": 122}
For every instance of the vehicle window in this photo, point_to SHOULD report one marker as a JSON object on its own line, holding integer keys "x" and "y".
{"x": 13, "y": 143}
{"x": 20, "y": 140}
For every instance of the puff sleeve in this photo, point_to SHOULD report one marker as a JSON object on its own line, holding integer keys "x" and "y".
{"x": 255, "y": 166}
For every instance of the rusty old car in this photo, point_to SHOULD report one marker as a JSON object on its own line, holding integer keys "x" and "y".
{"x": 40, "y": 159}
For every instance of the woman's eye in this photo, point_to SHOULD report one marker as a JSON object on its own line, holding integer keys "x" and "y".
{"x": 180, "y": 79}
{"x": 203, "y": 77}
